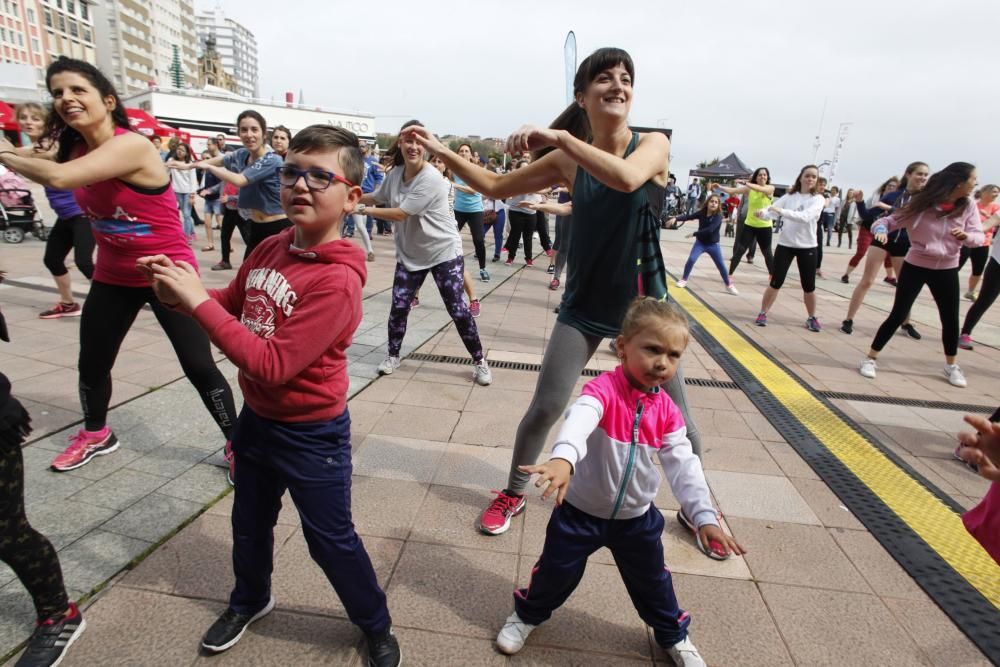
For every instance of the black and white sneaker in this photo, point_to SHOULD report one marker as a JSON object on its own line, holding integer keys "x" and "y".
{"x": 229, "y": 628}
{"x": 52, "y": 638}
{"x": 911, "y": 331}
{"x": 383, "y": 649}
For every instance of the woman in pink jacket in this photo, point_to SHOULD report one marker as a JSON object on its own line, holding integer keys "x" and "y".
{"x": 940, "y": 219}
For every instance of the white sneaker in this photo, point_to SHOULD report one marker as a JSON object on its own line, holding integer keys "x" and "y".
{"x": 482, "y": 375}
{"x": 685, "y": 654}
{"x": 731, "y": 288}
{"x": 955, "y": 375}
{"x": 513, "y": 635}
{"x": 682, "y": 283}
{"x": 868, "y": 368}
{"x": 388, "y": 365}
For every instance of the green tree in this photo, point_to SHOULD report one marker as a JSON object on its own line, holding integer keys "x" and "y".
{"x": 176, "y": 73}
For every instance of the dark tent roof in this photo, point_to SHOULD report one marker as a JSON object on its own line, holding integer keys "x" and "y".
{"x": 728, "y": 167}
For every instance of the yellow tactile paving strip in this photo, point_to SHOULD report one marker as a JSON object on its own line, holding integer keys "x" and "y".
{"x": 934, "y": 522}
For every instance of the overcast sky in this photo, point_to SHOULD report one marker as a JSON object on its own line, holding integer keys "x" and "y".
{"x": 726, "y": 76}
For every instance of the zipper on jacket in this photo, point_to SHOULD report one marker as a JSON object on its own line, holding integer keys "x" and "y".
{"x": 629, "y": 461}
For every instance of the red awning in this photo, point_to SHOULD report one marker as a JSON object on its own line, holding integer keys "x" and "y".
{"x": 8, "y": 120}
{"x": 148, "y": 126}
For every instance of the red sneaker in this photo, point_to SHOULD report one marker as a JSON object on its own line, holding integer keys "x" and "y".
{"x": 495, "y": 519}
{"x": 61, "y": 310}
{"x": 84, "y": 446}
{"x": 231, "y": 460}
{"x": 529, "y": 262}
{"x": 509, "y": 260}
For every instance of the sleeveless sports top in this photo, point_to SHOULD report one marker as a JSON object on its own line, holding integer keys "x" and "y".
{"x": 611, "y": 232}
{"x": 130, "y": 222}
{"x": 757, "y": 201}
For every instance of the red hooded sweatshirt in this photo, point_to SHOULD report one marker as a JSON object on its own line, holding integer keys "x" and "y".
{"x": 286, "y": 321}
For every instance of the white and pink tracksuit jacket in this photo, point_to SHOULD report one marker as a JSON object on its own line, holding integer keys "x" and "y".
{"x": 610, "y": 436}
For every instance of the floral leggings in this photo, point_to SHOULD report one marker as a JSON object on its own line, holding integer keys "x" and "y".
{"x": 449, "y": 279}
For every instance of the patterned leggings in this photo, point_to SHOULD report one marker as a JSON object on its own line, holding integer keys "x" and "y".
{"x": 449, "y": 279}
{"x": 23, "y": 548}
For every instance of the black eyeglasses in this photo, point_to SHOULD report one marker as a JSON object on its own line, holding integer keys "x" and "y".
{"x": 317, "y": 180}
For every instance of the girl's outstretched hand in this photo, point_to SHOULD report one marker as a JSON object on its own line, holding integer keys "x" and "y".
{"x": 719, "y": 542}
{"x": 531, "y": 137}
{"x": 555, "y": 472}
{"x": 981, "y": 448}
{"x": 425, "y": 138}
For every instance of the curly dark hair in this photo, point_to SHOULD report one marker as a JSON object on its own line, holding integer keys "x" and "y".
{"x": 56, "y": 128}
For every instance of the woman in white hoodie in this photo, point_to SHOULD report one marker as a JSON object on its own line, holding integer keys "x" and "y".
{"x": 799, "y": 210}
{"x": 185, "y": 184}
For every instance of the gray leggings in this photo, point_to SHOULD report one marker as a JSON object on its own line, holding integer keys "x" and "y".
{"x": 565, "y": 358}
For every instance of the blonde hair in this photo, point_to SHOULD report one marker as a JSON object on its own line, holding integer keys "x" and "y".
{"x": 646, "y": 308}
{"x": 33, "y": 107}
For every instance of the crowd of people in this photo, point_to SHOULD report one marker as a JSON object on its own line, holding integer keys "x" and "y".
{"x": 288, "y": 316}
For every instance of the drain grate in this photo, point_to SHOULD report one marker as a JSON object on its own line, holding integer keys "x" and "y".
{"x": 523, "y": 366}
{"x": 728, "y": 384}
{"x": 909, "y": 402}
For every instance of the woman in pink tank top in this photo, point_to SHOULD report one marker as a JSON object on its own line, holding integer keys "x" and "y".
{"x": 122, "y": 185}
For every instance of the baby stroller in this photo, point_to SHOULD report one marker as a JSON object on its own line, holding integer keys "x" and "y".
{"x": 18, "y": 214}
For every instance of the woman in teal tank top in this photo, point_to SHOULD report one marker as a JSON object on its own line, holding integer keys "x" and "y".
{"x": 754, "y": 230}
{"x": 614, "y": 248}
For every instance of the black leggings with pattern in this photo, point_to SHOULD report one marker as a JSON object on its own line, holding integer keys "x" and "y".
{"x": 28, "y": 553}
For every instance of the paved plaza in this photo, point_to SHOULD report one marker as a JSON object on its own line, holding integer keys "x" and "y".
{"x": 144, "y": 534}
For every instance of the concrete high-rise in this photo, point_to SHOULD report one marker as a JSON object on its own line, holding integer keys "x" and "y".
{"x": 137, "y": 43}
{"x": 237, "y": 48}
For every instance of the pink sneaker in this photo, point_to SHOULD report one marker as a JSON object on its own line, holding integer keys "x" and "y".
{"x": 61, "y": 310}
{"x": 231, "y": 460}
{"x": 965, "y": 342}
{"x": 495, "y": 519}
{"x": 474, "y": 308}
{"x": 84, "y": 446}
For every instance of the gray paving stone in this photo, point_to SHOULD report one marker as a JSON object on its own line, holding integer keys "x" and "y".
{"x": 760, "y": 497}
{"x": 42, "y": 485}
{"x": 17, "y": 619}
{"x": 169, "y": 460}
{"x": 119, "y": 489}
{"x": 201, "y": 484}
{"x": 65, "y": 521}
{"x": 152, "y": 517}
{"x": 98, "y": 556}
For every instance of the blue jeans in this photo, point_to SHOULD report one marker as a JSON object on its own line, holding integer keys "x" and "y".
{"x": 313, "y": 461}
{"x": 497, "y": 227}
{"x": 715, "y": 251}
{"x": 184, "y": 206}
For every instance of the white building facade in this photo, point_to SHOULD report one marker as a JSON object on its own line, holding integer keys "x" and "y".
{"x": 236, "y": 45}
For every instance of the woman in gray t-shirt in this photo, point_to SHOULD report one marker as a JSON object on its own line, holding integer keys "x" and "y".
{"x": 415, "y": 196}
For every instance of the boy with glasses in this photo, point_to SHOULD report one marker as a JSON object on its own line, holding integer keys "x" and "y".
{"x": 286, "y": 321}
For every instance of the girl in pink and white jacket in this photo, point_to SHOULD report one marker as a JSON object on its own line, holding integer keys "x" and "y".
{"x": 607, "y": 444}
{"x": 939, "y": 220}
